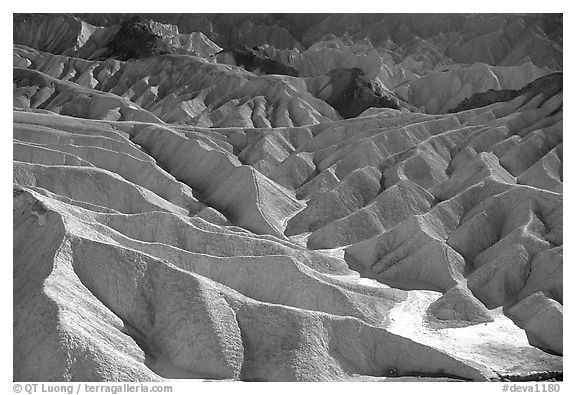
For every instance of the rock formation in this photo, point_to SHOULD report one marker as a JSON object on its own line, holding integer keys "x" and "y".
{"x": 350, "y": 93}
{"x": 179, "y": 217}
{"x": 135, "y": 39}
{"x": 254, "y": 60}
{"x": 547, "y": 86}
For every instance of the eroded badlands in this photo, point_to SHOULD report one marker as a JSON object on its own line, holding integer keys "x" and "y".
{"x": 177, "y": 217}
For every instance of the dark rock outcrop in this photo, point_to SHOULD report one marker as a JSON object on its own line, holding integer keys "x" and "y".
{"x": 135, "y": 39}
{"x": 549, "y": 85}
{"x": 352, "y": 93}
{"x": 254, "y": 60}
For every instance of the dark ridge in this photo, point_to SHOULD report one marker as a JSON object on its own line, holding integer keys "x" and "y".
{"x": 253, "y": 60}
{"x": 136, "y": 40}
{"x": 549, "y": 85}
{"x": 353, "y": 93}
